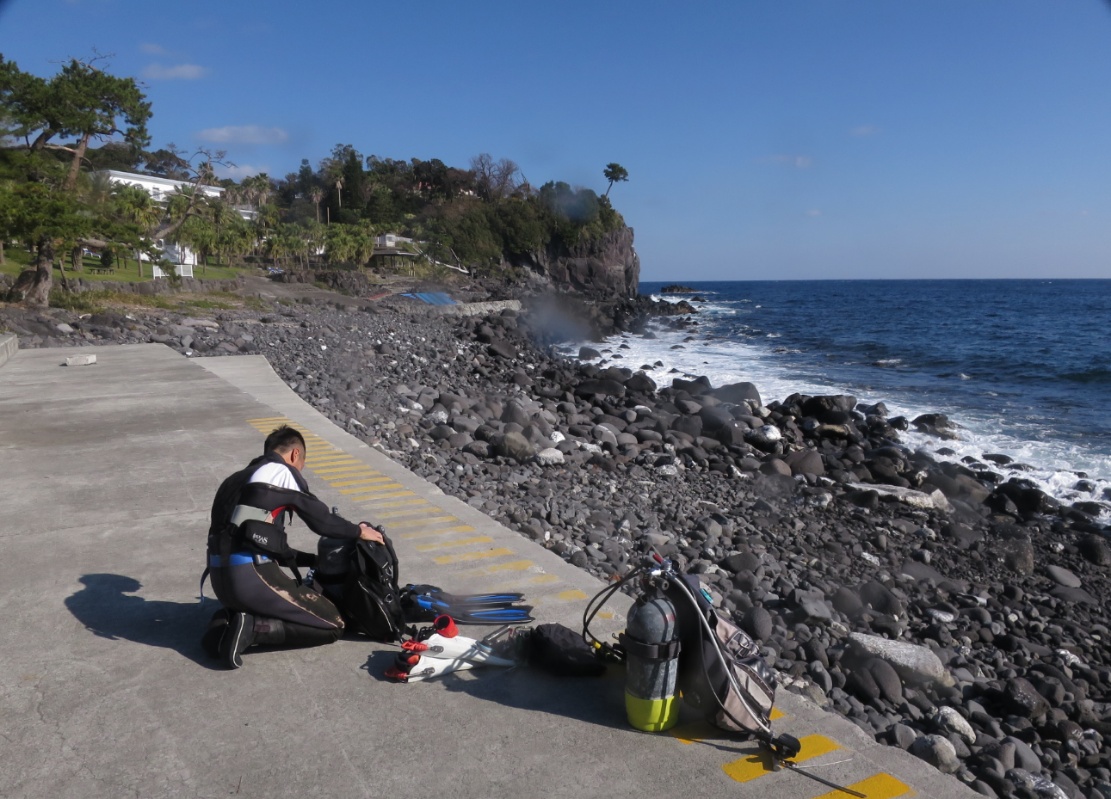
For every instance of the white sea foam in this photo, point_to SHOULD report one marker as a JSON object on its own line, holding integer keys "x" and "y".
{"x": 1050, "y": 463}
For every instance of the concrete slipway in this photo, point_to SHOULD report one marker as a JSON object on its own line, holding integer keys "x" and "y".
{"x": 108, "y": 473}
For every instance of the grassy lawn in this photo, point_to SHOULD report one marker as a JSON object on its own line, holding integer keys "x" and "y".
{"x": 16, "y": 259}
{"x": 93, "y": 300}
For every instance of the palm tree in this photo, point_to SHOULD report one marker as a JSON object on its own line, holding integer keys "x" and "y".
{"x": 362, "y": 244}
{"x": 614, "y": 173}
{"x": 317, "y": 194}
{"x": 134, "y": 206}
{"x": 339, "y": 244}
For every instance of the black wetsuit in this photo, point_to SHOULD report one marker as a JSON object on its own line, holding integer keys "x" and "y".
{"x": 245, "y": 560}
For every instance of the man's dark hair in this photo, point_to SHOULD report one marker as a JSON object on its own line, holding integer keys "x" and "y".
{"x": 283, "y": 439}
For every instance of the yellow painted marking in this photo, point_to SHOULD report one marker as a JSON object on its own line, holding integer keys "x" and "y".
{"x": 462, "y": 542}
{"x": 460, "y": 528}
{"x": 546, "y": 579}
{"x": 371, "y": 500}
{"x": 776, "y": 714}
{"x": 420, "y": 522}
{"x": 414, "y": 506}
{"x": 372, "y": 490}
{"x": 520, "y": 582}
{"x": 338, "y": 466}
{"x": 749, "y": 768}
{"x": 415, "y": 509}
{"x": 327, "y": 458}
{"x": 573, "y": 594}
{"x": 463, "y": 557}
{"x": 360, "y": 481}
{"x": 512, "y": 566}
{"x": 347, "y": 472}
{"x": 880, "y": 786}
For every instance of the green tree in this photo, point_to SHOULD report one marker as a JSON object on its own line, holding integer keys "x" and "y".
{"x": 339, "y": 244}
{"x": 81, "y": 102}
{"x": 614, "y": 173}
{"x": 49, "y": 217}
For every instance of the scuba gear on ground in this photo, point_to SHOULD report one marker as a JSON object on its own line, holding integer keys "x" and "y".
{"x": 426, "y": 602}
{"x": 412, "y": 667}
{"x": 439, "y": 650}
{"x": 720, "y": 669}
{"x": 443, "y": 641}
{"x": 479, "y": 600}
{"x": 652, "y": 649}
{"x": 724, "y": 674}
{"x": 735, "y": 690}
{"x": 561, "y": 651}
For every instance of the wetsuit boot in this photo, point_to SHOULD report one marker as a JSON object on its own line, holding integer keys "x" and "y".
{"x": 210, "y": 641}
{"x": 238, "y": 635}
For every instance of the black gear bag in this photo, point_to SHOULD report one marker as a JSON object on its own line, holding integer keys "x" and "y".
{"x": 370, "y": 600}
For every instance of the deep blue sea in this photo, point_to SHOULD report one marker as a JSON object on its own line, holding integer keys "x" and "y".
{"x": 1024, "y": 366}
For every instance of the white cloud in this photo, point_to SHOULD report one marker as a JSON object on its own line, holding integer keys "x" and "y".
{"x": 862, "y": 131}
{"x": 239, "y": 171}
{"x": 179, "y": 72}
{"x": 243, "y": 134}
{"x": 153, "y": 49}
{"x": 796, "y": 161}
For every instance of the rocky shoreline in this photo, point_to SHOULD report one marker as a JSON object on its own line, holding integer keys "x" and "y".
{"x": 942, "y": 608}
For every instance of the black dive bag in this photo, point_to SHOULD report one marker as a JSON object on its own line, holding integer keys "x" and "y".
{"x": 370, "y": 599}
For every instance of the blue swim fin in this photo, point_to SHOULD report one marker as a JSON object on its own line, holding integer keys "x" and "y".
{"x": 426, "y": 602}
{"x": 437, "y": 594}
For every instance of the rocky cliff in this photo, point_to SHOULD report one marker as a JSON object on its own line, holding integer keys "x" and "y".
{"x": 607, "y": 268}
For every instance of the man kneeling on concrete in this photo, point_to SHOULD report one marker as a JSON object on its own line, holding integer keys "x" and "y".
{"x": 247, "y": 548}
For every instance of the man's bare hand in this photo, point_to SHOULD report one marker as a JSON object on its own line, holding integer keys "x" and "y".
{"x": 368, "y": 533}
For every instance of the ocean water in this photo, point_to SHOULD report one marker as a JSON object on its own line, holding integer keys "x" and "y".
{"x": 1023, "y": 366}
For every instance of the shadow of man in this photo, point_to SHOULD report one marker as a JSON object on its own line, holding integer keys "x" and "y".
{"x": 108, "y": 608}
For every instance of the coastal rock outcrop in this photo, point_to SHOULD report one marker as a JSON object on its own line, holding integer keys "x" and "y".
{"x": 607, "y": 267}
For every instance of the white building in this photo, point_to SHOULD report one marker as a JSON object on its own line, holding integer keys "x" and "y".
{"x": 160, "y": 190}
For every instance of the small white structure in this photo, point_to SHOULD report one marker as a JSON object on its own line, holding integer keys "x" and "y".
{"x": 160, "y": 190}
{"x": 390, "y": 241}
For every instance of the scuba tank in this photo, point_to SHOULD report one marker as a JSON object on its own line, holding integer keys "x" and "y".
{"x": 651, "y": 664}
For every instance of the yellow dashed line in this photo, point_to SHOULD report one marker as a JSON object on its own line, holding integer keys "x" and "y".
{"x": 348, "y": 473}
{"x": 346, "y": 482}
{"x": 322, "y": 461}
{"x": 375, "y": 490}
{"x": 460, "y": 528}
{"x": 880, "y": 786}
{"x": 749, "y": 768}
{"x": 462, "y": 542}
{"x": 338, "y": 466}
{"x": 420, "y": 522}
{"x": 512, "y": 566}
{"x": 463, "y": 557}
{"x": 372, "y": 500}
{"x": 573, "y": 594}
{"x": 521, "y": 582}
{"x": 416, "y": 510}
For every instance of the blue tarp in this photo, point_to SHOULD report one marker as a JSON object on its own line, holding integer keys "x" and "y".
{"x": 432, "y": 297}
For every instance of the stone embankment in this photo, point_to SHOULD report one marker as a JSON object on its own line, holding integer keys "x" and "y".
{"x": 941, "y": 607}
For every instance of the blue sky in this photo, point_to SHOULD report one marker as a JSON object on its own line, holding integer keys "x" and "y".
{"x": 794, "y": 139}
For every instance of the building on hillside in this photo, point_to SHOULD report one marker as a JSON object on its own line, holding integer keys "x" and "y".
{"x": 160, "y": 190}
